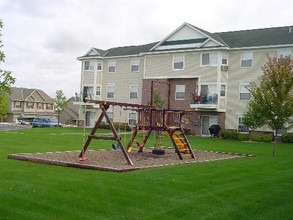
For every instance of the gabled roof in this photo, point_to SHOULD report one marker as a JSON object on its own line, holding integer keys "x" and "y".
{"x": 22, "y": 94}
{"x": 265, "y": 37}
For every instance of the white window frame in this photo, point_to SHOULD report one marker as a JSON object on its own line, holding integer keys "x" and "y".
{"x": 30, "y": 105}
{"x": 243, "y": 90}
{"x": 39, "y": 105}
{"x": 110, "y": 89}
{"x": 99, "y": 64}
{"x": 180, "y": 89}
{"x": 225, "y": 59}
{"x": 285, "y": 52}
{"x": 89, "y": 91}
{"x": 17, "y": 104}
{"x": 90, "y": 65}
{"x": 244, "y": 129}
{"x": 223, "y": 90}
{"x": 132, "y": 118}
{"x": 98, "y": 90}
{"x": 212, "y": 59}
{"x": 135, "y": 65}
{"x": 111, "y": 64}
{"x": 49, "y": 106}
{"x": 246, "y": 56}
{"x": 178, "y": 59}
{"x": 133, "y": 89}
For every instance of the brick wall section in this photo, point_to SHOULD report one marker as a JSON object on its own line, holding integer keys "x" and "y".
{"x": 162, "y": 86}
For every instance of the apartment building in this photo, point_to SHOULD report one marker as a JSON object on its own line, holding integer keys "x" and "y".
{"x": 191, "y": 69}
{"x": 29, "y": 103}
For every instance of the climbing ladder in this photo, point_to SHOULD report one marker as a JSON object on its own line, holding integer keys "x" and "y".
{"x": 180, "y": 141}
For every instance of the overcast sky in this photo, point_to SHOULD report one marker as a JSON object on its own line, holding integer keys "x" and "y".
{"x": 43, "y": 38}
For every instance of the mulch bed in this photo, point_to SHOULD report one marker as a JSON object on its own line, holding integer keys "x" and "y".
{"x": 114, "y": 160}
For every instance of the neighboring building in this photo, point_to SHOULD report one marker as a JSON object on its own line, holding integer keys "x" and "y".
{"x": 191, "y": 68}
{"x": 70, "y": 115}
{"x": 28, "y": 103}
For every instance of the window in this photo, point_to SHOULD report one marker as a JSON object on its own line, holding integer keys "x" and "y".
{"x": 17, "y": 104}
{"x": 98, "y": 90}
{"x": 223, "y": 90}
{"x": 180, "y": 92}
{"x": 99, "y": 67}
{"x": 133, "y": 93}
{"x": 40, "y": 105}
{"x": 88, "y": 65}
{"x": 88, "y": 92}
{"x": 225, "y": 59}
{"x": 112, "y": 66}
{"x": 246, "y": 59}
{"x": 209, "y": 59}
{"x": 241, "y": 126}
{"x": 30, "y": 105}
{"x": 135, "y": 65}
{"x": 49, "y": 107}
{"x": 110, "y": 91}
{"x": 208, "y": 94}
{"x": 178, "y": 62}
{"x": 132, "y": 118}
{"x": 284, "y": 52}
{"x": 244, "y": 93}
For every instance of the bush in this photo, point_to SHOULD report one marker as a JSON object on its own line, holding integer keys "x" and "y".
{"x": 229, "y": 134}
{"x": 267, "y": 138}
{"x": 243, "y": 137}
{"x": 262, "y": 138}
{"x": 287, "y": 138}
{"x": 256, "y": 138}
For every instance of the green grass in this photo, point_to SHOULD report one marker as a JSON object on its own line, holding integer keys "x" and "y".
{"x": 260, "y": 187}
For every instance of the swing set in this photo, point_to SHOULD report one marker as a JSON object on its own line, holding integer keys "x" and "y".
{"x": 149, "y": 119}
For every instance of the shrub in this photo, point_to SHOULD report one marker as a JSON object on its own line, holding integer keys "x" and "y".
{"x": 256, "y": 138}
{"x": 229, "y": 134}
{"x": 287, "y": 138}
{"x": 262, "y": 138}
{"x": 267, "y": 138}
{"x": 243, "y": 137}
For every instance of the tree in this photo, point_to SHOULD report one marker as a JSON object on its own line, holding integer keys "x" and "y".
{"x": 271, "y": 101}
{"x": 60, "y": 103}
{"x": 6, "y": 81}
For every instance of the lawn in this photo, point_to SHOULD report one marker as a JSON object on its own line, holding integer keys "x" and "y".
{"x": 260, "y": 187}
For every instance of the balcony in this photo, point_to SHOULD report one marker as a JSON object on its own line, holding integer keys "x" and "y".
{"x": 79, "y": 97}
{"x": 205, "y": 102}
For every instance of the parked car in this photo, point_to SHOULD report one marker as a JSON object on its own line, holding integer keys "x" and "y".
{"x": 25, "y": 120}
{"x": 39, "y": 122}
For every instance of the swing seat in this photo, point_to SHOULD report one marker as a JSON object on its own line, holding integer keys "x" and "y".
{"x": 115, "y": 147}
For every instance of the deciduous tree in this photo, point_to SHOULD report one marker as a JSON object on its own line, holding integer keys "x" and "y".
{"x": 271, "y": 101}
{"x": 60, "y": 103}
{"x": 6, "y": 81}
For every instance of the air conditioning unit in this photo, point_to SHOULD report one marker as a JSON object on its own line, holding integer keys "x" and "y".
{"x": 224, "y": 67}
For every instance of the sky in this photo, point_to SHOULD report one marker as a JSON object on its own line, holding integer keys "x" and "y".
{"x": 43, "y": 38}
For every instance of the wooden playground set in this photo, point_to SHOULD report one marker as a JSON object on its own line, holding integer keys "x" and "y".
{"x": 149, "y": 119}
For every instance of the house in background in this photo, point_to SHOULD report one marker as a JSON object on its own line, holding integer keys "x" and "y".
{"x": 192, "y": 69}
{"x": 70, "y": 115}
{"x": 29, "y": 103}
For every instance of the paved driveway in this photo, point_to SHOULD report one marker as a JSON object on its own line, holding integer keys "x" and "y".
{"x": 13, "y": 126}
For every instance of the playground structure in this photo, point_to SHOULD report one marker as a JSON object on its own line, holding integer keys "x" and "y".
{"x": 149, "y": 119}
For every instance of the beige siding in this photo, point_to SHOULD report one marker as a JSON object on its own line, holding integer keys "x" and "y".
{"x": 160, "y": 66}
{"x": 88, "y": 77}
{"x": 237, "y": 75}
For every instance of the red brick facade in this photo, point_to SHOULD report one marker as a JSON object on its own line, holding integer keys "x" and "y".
{"x": 167, "y": 89}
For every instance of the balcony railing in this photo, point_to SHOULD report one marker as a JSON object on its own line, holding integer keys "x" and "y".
{"x": 205, "y": 101}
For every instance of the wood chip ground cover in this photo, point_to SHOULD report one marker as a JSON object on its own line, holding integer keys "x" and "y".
{"x": 114, "y": 160}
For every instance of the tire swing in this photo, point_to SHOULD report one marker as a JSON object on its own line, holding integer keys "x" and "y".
{"x": 159, "y": 142}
